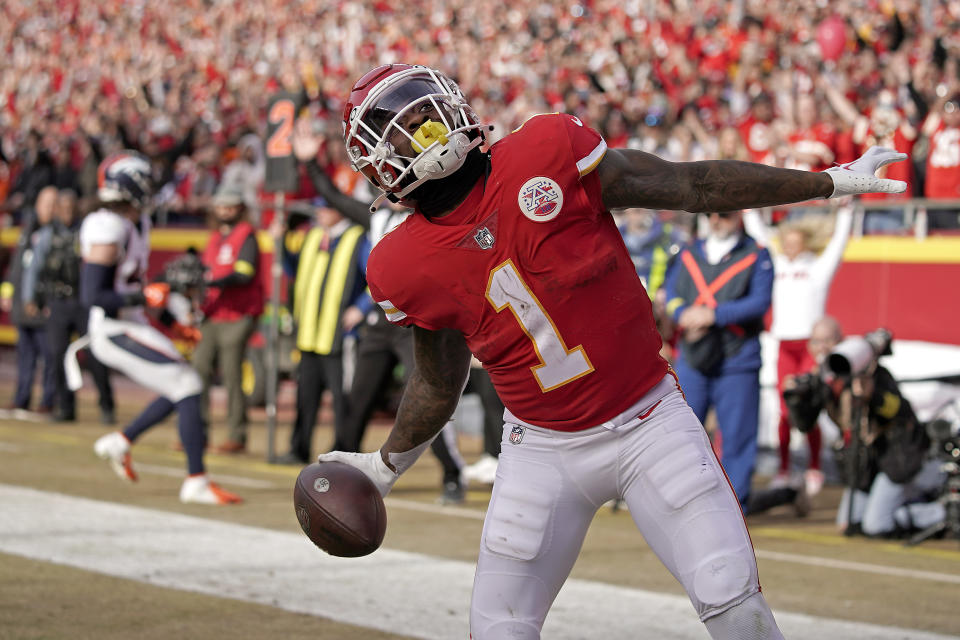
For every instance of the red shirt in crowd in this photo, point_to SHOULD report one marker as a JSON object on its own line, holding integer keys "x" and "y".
{"x": 943, "y": 164}
{"x": 819, "y": 140}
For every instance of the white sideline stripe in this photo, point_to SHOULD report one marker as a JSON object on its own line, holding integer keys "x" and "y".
{"x": 859, "y": 566}
{"x": 178, "y": 472}
{"x": 389, "y": 590}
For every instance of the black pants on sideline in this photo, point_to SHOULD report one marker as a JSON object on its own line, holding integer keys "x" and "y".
{"x": 69, "y": 317}
{"x": 318, "y": 373}
{"x": 380, "y": 347}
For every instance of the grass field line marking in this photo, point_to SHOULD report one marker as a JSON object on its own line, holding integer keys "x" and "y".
{"x": 439, "y": 509}
{"x": 388, "y": 590}
{"x": 177, "y": 472}
{"x": 836, "y": 540}
{"x": 832, "y": 563}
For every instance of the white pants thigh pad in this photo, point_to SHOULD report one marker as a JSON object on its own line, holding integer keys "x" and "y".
{"x": 550, "y": 485}
{"x": 681, "y": 501}
{"x": 171, "y": 376}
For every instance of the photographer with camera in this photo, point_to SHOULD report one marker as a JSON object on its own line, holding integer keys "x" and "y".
{"x": 884, "y": 452}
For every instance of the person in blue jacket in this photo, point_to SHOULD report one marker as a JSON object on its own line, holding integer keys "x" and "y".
{"x": 718, "y": 290}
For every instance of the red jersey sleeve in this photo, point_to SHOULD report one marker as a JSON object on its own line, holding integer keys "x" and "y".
{"x": 387, "y": 261}
{"x": 588, "y": 148}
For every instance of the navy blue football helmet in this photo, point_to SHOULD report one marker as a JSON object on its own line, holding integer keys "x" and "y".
{"x": 125, "y": 176}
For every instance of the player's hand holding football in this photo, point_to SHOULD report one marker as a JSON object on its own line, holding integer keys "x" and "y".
{"x": 860, "y": 176}
{"x": 371, "y": 464}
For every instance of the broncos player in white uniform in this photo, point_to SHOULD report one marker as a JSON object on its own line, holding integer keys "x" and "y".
{"x": 114, "y": 245}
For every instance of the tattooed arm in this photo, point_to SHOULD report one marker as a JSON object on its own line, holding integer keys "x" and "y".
{"x": 632, "y": 178}
{"x": 442, "y": 362}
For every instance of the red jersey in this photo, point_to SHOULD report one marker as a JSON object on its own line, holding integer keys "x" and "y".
{"x": 896, "y": 171}
{"x": 758, "y": 138}
{"x": 819, "y": 141}
{"x": 943, "y": 164}
{"x": 531, "y": 269}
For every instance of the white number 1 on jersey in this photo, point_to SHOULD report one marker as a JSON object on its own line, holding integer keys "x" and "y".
{"x": 559, "y": 365}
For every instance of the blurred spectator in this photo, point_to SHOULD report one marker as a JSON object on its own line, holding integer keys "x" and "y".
{"x": 653, "y": 244}
{"x": 942, "y": 179}
{"x": 757, "y": 130}
{"x": 801, "y": 283}
{"x": 57, "y": 265}
{"x": 812, "y": 142}
{"x": 248, "y": 170}
{"x": 34, "y": 172}
{"x": 328, "y": 266}
{"x": 718, "y": 292}
{"x": 231, "y": 307}
{"x": 27, "y": 310}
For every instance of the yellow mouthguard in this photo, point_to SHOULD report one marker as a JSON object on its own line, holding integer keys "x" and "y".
{"x": 429, "y": 132}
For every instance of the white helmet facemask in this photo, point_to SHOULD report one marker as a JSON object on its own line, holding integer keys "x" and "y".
{"x": 439, "y": 145}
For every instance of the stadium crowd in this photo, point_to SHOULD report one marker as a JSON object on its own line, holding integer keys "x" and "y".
{"x": 785, "y": 82}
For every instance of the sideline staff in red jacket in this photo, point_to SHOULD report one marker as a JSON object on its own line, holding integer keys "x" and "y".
{"x": 233, "y": 302}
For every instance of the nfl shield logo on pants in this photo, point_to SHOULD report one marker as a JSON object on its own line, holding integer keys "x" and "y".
{"x": 516, "y": 435}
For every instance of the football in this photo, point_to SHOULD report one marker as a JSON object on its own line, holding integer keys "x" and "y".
{"x": 340, "y": 509}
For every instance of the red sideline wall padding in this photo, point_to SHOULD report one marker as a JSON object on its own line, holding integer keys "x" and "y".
{"x": 914, "y": 301}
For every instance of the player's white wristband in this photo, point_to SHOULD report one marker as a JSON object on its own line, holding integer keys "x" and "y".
{"x": 405, "y": 459}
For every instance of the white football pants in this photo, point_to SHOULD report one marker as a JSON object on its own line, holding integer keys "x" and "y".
{"x": 143, "y": 354}
{"x": 655, "y": 456}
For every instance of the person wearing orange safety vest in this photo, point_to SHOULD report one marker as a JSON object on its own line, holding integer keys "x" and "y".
{"x": 718, "y": 291}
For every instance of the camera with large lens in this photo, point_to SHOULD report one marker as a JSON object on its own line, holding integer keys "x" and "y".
{"x": 856, "y": 354}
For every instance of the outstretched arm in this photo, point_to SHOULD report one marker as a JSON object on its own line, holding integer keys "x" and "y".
{"x": 632, "y": 178}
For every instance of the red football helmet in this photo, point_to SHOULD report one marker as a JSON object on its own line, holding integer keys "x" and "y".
{"x": 382, "y": 118}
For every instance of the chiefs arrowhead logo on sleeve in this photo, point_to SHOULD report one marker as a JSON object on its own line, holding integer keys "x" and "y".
{"x": 540, "y": 199}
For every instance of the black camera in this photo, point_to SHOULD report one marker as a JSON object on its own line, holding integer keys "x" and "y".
{"x": 805, "y": 399}
{"x": 60, "y": 273}
{"x": 185, "y": 273}
{"x": 944, "y": 441}
{"x": 810, "y": 393}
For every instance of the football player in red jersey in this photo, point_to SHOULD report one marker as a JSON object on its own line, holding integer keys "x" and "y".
{"x": 512, "y": 255}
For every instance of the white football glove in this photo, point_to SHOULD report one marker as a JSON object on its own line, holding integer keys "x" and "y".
{"x": 860, "y": 176}
{"x": 371, "y": 464}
